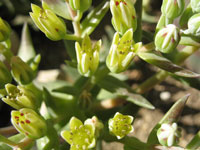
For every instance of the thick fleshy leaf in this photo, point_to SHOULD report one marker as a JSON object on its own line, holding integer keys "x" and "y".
{"x": 165, "y": 64}
{"x": 170, "y": 117}
{"x": 195, "y": 142}
{"x": 94, "y": 18}
{"x": 67, "y": 90}
{"x": 120, "y": 89}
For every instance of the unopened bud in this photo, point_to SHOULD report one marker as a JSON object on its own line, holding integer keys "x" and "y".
{"x": 123, "y": 15}
{"x": 121, "y": 125}
{"x": 121, "y": 52}
{"x": 80, "y": 136}
{"x": 5, "y": 30}
{"x": 167, "y": 39}
{"x": 87, "y": 56}
{"x": 168, "y": 134}
{"x": 194, "y": 25}
{"x": 52, "y": 26}
{"x": 21, "y": 72}
{"x": 98, "y": 125}
{"x": 5, "y": 76}
{"x": 19, "y": 97}
{"x": 172, "y": 8}
{"x": 81, "y": 5}
{"x": 195, "y": 4}
{"x": 28, "y": 122}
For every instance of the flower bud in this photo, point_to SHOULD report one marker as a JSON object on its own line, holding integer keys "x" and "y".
{"x": 5, "y": 30}
{"x": 5, "y": 76}
{"x": 21, "y": 72}
{"x": 52, "y": 26}
{"x": 121, "y": 125}
{"x": 167, "y": 39}
{"x": 172, "y": 8}
{"x": 168, "y": 134}
{"x": 123, "y": 15}
{"x": 194, "y": 25}
{"x": 19, "y": 97}
{"x": 28, "y": 122}
{"x": 195, "y": 4}
{"x": 121, "y": 52}
{"x": 80, "y": 136}
{"x": 81, "y": 5}
{"x": 98, "y": 125}
{"x": 87, "y": 56}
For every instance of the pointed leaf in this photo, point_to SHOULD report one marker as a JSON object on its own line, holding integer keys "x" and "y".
{"x": 67, "y": 90}
{"x": 165, "y": 64}
{"x": 171, "y": 116}
{"x": 94, "y": 18}
{"x": 26, "y": 49}
{"x": 120, "y": 89}
{"x": 195, "y": 142}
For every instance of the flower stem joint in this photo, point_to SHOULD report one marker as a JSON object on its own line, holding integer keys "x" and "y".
{"x": 5, "y": 30}
{"x": 28, "y": 122}
{"x": 172, "y": 8}
{"x": 80, "y": 5}
{"x": 121, "y": 52}
{"x": 168, "y": 134}
{"x": 167, "y": 38}
{"x": 121, "y": 125}
{"x": 123, "y": 15}
{"x": 87, "y": 56}
{"x": 81, "y": 136}
{"x": 51, "y": 25}
{"x": 18, "y": 97}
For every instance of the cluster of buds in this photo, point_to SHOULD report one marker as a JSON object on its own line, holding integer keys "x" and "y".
{"x": 87, "y": 56}
{"x": 28, "y": 122}
{"x": 195, "y": 4}
{"x": 80, "y": 5}
{"x": 81, "y": 136}
{"x": 172, "y": 8}
{"x": 168, "y": 134}
{"x": 5, "y": 76}
{"x": 123, "y": 15}
{"x": 5, "y": 30}
{"x": 19, "y": 97}
{"x": 45, "y": 19}
{"x": 21, "y": 72}
{"x": 167, "y": 39}
{"x": 121, "y": 125}
{"x": 121, "y": 52}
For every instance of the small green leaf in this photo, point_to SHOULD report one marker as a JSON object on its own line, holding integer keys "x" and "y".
{"x": 67, "y": 90}
{"x": 171, "y": 116}
{"x": 26, "y": 49}
{"x": 165, "y": 64}
{"x": 94, "y": 18}
{"x": 120, "y": 89}
{"x": 195, "y": 142}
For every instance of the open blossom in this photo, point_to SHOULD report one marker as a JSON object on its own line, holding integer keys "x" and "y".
{"x": 81, "y": 136}
{"x": 121, "y": 125}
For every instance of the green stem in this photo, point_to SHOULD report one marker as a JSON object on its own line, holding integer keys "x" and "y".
{"x": 72, "y": 37}
{"x": 77, "y": 28}
{"x": 162, "y": 75}
{"x": 7, "y": 141}
{"x": 138, "y": 32}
